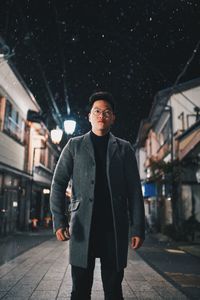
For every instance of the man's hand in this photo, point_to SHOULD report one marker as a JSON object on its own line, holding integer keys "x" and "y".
{"x": 136, "y": 242}
{"x": 63, "y": 234}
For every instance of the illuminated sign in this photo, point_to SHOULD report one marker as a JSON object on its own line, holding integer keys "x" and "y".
{"x": 149, "y": 189}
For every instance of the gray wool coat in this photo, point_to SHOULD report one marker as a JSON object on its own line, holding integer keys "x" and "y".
{"x": 77, "y": 162}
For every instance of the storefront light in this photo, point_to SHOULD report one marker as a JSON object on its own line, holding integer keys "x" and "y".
{"x": 148, "y": 172}
{"x": 198, "y": 174}
{"x": 46, "y": 191}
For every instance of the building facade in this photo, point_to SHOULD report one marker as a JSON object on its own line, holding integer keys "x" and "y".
{"x": 25, "y": 168}
{"x": 168, "y": 151}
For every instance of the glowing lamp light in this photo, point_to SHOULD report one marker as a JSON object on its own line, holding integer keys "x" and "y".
{"x": 69, "y": 126}
{"x": 46, "y": 191}
{"x": 198, "y": 175}
{"x": 56, "y": 135}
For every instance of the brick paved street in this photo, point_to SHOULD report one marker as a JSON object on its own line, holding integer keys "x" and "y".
{"x": 43, "y": 273}
{"x": 19, "y": 242}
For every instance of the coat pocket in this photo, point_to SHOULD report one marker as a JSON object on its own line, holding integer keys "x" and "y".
{"x": 74, "y": 205}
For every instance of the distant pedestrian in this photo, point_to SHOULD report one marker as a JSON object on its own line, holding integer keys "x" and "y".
{"x": 106, "y": 199}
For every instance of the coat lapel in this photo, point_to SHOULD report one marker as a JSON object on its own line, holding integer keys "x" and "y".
{"x": 88, "y": 145}
{"x": 112, "y": 148}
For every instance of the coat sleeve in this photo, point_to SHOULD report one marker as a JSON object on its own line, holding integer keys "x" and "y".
{"x": 61, "y": 177}
{"x": 135, "y": 197}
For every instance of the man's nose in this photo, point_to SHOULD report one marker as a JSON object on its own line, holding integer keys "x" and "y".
{"x": 101, "y": 114}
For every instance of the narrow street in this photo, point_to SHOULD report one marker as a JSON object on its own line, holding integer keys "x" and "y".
{"x": 38, "y": 269}
{"x": 99, "y": 127}
{"x": 15, "y": 244}
{"x": 176, "y": 262}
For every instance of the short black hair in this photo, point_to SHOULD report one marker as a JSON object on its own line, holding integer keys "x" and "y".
{"x": 102, "y": 95}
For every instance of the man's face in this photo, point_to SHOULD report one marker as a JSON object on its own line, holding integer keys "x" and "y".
{"x": 101, "y": 117}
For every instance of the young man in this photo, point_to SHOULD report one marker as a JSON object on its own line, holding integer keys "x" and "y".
{"x": 106, "y": 199}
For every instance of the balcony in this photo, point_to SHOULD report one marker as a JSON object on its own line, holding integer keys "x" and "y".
{"x": 188, "y": 142}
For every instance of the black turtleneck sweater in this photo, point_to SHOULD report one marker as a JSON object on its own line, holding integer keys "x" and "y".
{"x": 102, "y": 221}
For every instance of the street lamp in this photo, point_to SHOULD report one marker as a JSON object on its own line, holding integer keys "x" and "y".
{"x": 56, "y": 135}
{"x": 69, "y": 126}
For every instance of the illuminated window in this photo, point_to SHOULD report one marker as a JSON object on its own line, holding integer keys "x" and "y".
{"x": 13, "y": 123}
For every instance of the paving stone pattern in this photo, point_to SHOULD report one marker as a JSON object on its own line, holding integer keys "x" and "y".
{"x": 44, "y": 273}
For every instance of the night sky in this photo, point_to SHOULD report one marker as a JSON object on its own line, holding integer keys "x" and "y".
{"x": 66, "y": 50}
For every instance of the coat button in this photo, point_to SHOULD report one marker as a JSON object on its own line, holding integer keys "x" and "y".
{"x": 90, "y": 199}
{"x": 92, "y": 181}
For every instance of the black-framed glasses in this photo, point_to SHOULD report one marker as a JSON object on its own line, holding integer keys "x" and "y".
{"x": 105, "y": 113}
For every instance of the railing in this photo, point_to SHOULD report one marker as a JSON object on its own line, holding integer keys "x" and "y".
{"x": 159, "y": 155}
{"x": 163, "y": 150}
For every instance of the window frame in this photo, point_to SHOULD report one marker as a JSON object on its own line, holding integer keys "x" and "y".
{"x": 13, "y": 123}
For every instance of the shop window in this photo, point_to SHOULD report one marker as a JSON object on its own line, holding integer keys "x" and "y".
{"x": 15, "y": 182}
{"x": 13, "y": 123}
{"x": 8, "y": 180}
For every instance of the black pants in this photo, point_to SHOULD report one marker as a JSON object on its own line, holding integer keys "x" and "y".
{"x": 82, "y": 280}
